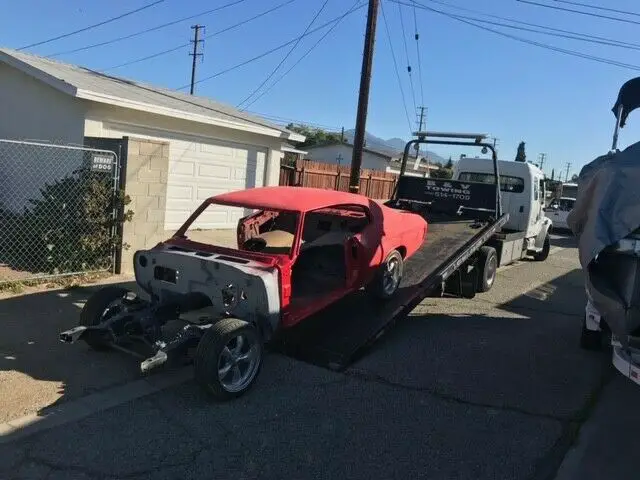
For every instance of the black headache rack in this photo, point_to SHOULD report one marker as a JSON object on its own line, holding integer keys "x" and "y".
{"x": 337, "y": 336}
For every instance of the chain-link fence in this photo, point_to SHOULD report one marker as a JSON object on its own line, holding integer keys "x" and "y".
{"x": 58, "y": 210}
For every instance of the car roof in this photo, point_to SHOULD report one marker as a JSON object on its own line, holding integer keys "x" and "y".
{"x": 296, "y": 199}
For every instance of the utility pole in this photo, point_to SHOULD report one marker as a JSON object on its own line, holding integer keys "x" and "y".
{"x": 566, "y": 177}
{"x": 542, "y": 156}
{"x": 196, "y": 40}
{"x": 420, "y": 123}
{"x": 363, "y": 97}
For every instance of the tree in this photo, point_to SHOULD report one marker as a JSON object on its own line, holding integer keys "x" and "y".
{"x": 574, "y": 178}
{"x": 449, "y": 164}
{"x": 521, "y": 156}
{"x": 314, "y": 136}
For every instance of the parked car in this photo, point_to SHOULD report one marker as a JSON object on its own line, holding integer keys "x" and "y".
{"x": 558, "y": 210}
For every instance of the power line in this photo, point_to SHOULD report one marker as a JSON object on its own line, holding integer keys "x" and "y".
{"x": 406, "y": 52}
{"x": 597, "y": 7}
{"x": 395, "y": 64}
{"x": 148, "y": 30}
{"x": 353, "y": 8}
{"x": 417, "y": 37}
{"x": 287, "y": 55}
{"x": 519, "y": 22}
{"x": 90, "y": 27}
{"x": 590, "y": 14}
{"x": 569, "y": 35}
{"x": 264, "y": 54}
{"x": 184, "y": 45}
{"x": 532, "y": 42}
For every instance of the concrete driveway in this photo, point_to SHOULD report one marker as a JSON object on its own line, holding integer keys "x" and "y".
{"x": 494, "y": 387}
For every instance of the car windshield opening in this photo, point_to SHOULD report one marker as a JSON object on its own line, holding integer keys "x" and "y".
{"x": 249, "y": 229}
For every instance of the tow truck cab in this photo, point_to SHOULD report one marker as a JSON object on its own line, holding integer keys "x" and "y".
{"x": 522, "y": 192}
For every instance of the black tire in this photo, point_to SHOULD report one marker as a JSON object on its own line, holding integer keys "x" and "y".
{"x": 95, "y": 311}
{"x": 488, "y": 267}
{"x": 542, "y": 255}
{"x": 210, "y": 350}
{"x": 590, "y": 339}
{"x": 379, "y": 286}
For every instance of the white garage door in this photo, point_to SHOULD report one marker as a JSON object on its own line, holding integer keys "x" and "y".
{"x": 198, "y": 170}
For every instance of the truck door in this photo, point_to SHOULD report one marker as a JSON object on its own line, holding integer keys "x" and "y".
{"x": 535, "y": 213}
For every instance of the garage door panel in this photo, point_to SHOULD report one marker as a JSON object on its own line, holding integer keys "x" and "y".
{"x": 222, "y": 172}
{"x": 180, "y": 192}
{"x": 198, "y": 171}
{"x": 185, "y": 168}
{"x": 217, "y": 150}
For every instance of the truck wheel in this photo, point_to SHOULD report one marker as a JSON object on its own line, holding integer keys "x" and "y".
{"x": 590, "y": 339}
{"x": 102, "y": 305}
{"x": 228, "y": 358}
{"x": 488, "y": 262}
{"x": 389, "y": 276}
{"x": 542, "y": 255}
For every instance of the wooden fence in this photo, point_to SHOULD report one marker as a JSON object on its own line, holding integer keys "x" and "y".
{"x": 375, "y": 184}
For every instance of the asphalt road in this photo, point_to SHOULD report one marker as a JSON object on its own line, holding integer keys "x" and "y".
{"x": 494, "y": 387}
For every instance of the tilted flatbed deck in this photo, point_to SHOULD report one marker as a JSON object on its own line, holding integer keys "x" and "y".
{"x": 335, "y": 337}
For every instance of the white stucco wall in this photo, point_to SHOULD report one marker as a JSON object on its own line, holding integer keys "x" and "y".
{"x": 32, "y": 110}
{"x": 330, "y": 153}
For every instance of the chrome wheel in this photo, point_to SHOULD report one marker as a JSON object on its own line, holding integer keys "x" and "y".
{"x": 391, "y": 276}
{"x": 238, "y": 363}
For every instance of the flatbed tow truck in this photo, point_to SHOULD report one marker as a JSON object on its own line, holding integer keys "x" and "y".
{"x": 465, "y": 221}
{"x": 319, "y": 282}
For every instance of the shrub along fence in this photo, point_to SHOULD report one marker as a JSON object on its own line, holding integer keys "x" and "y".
{"x": 60, "y": 207}
{"x": 375, "y": 184}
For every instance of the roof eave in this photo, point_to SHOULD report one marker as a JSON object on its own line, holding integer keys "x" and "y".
{"x": 173, "y": 113}
{"x": 38, "y": 74}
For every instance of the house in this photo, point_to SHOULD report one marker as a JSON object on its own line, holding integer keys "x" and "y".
{"x": 341, "y": 153}
{"x": 372, "y": 158}
{"x": 180, "y": 149}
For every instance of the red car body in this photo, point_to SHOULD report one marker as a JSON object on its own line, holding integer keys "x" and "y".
{"x": 376, "y": 230}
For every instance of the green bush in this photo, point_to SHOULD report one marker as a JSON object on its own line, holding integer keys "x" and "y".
{"x": 71, "y": 228}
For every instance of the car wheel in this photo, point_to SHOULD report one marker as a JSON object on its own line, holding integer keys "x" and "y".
{"x": 228, "y": 358}
{"x": 389, "y": 276}
{"x": 590, "y": 339}
{"x": 488, "y": 261}
{"x": 101, "y": 306}
{"x": 542, "y": 255}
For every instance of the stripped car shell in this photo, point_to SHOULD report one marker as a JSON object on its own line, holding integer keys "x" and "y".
{"x": 299, "y": 251}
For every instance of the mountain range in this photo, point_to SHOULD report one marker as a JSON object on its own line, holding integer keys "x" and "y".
{"x": 393, "y": 146}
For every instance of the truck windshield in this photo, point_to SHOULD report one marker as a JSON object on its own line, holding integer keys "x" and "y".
{"x": 507, "y": 183}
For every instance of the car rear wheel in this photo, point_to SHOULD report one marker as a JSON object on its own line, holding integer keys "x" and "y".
{"x": 228, "y": 358}
{"x": 389, "y": 276}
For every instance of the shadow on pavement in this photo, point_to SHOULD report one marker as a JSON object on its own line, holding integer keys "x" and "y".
{"x": 522, "y": 354}
{"x": 38, "y": 371}
{"x": 564, "y": 240}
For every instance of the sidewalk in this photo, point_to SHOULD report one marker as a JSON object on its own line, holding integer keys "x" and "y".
{"x": 609, "y": 440}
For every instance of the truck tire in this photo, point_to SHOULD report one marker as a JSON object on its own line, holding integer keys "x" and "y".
{"x": 99, "y": 307}
{"x": 590, "y": 339}
{"x": 389, "y": 276}
{"x": 488, "y": 267}
{"x": 542, "y": 255}
{"x": 228, "y": 358}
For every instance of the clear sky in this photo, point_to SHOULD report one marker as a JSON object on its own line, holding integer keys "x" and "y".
{"x": 472, "y": 79}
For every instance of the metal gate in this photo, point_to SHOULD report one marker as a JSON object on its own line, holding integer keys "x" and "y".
{"x": 59, "y": 209}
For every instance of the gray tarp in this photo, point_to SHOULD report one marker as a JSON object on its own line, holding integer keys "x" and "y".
{"x": 607, "y": 209}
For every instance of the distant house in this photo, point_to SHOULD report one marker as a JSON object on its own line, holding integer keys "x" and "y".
{"x": 341, "y": 154}
{"x": 372, "y": 158}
